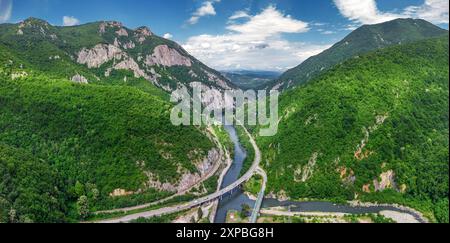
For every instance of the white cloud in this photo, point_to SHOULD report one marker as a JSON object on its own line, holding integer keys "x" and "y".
{"x": 367, "y": 12}
{"x": 328, "y": 32}
{"x": 257, "y": 43}
{"x": 167, "y": 36}
{"x": 206, "y": 9}
{"x": 70, "y": 21}
{"x": 239, "y": 15}
{"x": 269, "y": 22}
{"x": 5, "y": 10}
{"x": 435, "y": 11}
{"x": 363, "y": 11}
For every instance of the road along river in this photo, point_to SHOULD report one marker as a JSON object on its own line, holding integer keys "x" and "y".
{"x": 235, "y": 201}
{"x": 201, "y": 201}
{"x": 238, "y": 198}
{"x": 232, "y": 202}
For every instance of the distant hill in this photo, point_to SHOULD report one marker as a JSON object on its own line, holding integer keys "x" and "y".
{"x": 373, "y": 128}
{"x": 251, "y": 79}
{"x": 365, "y": 39}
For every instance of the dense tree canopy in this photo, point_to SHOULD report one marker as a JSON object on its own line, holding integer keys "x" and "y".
{"x": 385, "y": 111}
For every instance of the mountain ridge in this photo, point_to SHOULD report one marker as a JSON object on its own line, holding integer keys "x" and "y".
{"x": 360, "y": 41}
{"x": 373, "y": 128}
{"x": 162, "y": 62}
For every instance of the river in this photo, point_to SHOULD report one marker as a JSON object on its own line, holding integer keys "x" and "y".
{"x": 239, "y": 198}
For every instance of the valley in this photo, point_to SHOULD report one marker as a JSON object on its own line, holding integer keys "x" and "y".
{"x": 86, "y": 133}
{"x": 251, "y": 80}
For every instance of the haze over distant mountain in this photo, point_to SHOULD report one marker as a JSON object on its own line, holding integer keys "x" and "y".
{"x": 246, "y": 79}
{"x": 365, "y": 39}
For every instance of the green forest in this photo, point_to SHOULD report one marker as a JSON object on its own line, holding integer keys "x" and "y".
{"x": 384, "y": 111}
{"x": 87, "y": 140}
{"x": 367, "y": 120}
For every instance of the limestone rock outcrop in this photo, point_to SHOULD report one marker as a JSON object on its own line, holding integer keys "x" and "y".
{"x": 168, "y": 57}
{"x": 100, "y": 54}
{"x": 79, "y": 79}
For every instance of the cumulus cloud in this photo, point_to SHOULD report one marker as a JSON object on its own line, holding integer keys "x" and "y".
{"x": 70, "y": 21}
{"x": 206, "y": 9}
{"x": 435, "y": 11}
{"x": 367, "y": 12}
{"x": 256, "y": 43}
{"x": 5, "y": 10}
{"x": 167, "y": 36}
{"x": 363, "y": 11}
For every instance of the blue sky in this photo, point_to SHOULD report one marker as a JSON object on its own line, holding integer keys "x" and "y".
{"x": 236, "y": 34}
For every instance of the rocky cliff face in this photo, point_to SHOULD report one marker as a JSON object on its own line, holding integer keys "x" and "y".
{"x": 99, "y": 55}
{"x": 168, "y": 57}
{"x": 103, "y": 47}
{"x": 188, "y": 180}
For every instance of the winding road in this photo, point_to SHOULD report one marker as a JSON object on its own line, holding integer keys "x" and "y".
{"x": 179, "y": 208}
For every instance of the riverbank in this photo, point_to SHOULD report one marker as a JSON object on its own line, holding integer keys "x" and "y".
{"x": 397, "y": 213}
{"x": 330, "y": 217}
{"x": 417, "y": 215}
{"x": 230, "y": 174}
{"x": 225, "y": 142}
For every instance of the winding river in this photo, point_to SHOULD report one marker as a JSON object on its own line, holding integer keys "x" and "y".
{"x": 239, "y": 198}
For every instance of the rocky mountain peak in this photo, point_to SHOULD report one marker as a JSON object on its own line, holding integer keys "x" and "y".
{"x": 35, "y": 25}
{"x": 143, "y": 30}
{"x": 35, "y": 21}
{"x": 109, "y": 24}
{"x": 108, "y": 50}
{"x": 142, "y": 33}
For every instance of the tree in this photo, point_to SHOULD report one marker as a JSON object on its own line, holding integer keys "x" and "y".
{"x": 246, "y": 210}
{"x": 79, "y": 189}
{"x": 95, "y": 194}
{"x": 83, "y": 207}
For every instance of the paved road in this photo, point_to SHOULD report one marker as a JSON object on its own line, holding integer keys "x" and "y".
{"x": 198, "y": 202}
{"x": 259, "y": 200}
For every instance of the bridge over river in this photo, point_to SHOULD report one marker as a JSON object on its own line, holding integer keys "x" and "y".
{"x": 207, "y": 199}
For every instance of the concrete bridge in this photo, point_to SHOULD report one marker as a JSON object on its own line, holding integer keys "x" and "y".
{"x": 259, "y": 200}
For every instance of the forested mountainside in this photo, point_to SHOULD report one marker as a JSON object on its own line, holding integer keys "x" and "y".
{"x": 364, "y": 39}
{"x": 373, "y": 128}
{"x": 85, "y": 125}
{"x": 105, "y": 52}
{"x": 90, "y": 140}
